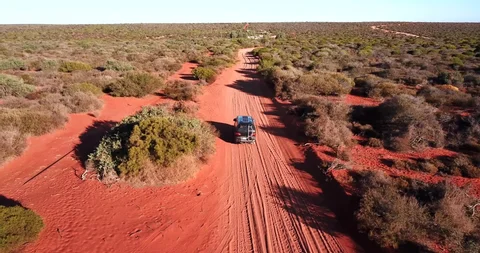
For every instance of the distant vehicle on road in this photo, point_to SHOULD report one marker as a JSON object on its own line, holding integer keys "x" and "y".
{"x": 244, "y": 129}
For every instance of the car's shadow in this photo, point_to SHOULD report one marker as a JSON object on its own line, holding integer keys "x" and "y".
{"x": 225, "y": 131}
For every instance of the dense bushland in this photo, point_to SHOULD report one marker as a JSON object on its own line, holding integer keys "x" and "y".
{"x": 153, "y": 147}
{"x": 396, "y": 211}
{"x": 409, "y": 123}
{"x": 458, "y": 165}
{"x": 325, "y": 121}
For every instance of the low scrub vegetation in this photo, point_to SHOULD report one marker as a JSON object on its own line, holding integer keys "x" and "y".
{"x": 14, "y": 86}
{"x": 12, "y": 64}
{"x": 183, "y": 107}
{"x": 325, "y": 121}
{"x": 182, "y": 90}
{"x": 326, "y": 83}
{"x": 71, "y": 66}
{"x": 205, "y": 74}
{"x": 74, "y": 102}
{"x": 444, "y": 97}
{"x": 458, "y": 165}
{"x": 12, "y": 143}
{"x": 376, "y": 87}
{"x": 83, "y": 87}
{"x": 395, "y": 212}
{"x": 18, "y": 226}
{"x": 134, "y": 85}
{"x": 20, "y": 117}
{"x": 156, "y": 146}
{"x": 34, "y": 120}
{"x": 118, "y": 66}
{"x": 408, "y": 123}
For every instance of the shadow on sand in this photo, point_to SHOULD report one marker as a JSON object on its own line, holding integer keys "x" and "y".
{"x": 8, "y": 202}
{"x": 91, "y": 138}
{"x": 225, "y": 131}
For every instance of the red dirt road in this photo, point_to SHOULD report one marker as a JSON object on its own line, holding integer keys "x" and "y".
{"x": 248, "y": 198}
{"x": 380, "y": 27}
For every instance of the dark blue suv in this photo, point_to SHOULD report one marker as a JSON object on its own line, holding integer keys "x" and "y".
{"x": 244, "y": 129}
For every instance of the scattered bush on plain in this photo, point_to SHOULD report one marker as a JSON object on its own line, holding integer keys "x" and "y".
{"x": 145, "y": 148}
{"x": 204, "y": 73}
{"x": 182, "y": 90}
{"x": 135, "y": 85}
{"x": 70, "y": 66}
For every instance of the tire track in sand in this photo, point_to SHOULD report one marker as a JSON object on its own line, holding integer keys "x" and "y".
{"x": 262, "y": 188}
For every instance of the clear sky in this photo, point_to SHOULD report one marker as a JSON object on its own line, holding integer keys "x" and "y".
{"x": 206, "y": 11}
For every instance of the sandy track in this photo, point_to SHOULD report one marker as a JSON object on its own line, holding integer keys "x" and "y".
{"x": 267, "y": 201}
{"x": 381, "y": 28}
{"x": 248, "y": 198}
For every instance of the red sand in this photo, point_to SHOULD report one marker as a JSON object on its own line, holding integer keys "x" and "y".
{"x": 356, "y": 100}
{"x": 247, "y": 198}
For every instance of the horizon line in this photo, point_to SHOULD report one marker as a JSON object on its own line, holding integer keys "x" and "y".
{"x": 250, "y": 22}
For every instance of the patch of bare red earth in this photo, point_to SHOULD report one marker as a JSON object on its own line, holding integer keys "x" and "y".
{"x": 369, "y": 158}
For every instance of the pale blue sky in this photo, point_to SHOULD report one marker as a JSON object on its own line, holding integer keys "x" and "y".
{"x": 201, "y": 11}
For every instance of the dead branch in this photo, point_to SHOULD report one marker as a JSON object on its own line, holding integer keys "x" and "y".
{"x": 474, "y": 207}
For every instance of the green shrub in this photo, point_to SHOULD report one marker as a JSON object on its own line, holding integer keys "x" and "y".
{"x": 383, "y": 89}
{"x": 326, "y": 83}
{"x": 12, "y": 143}
{"x": 13, "y": 64}
{"x": 43, "y": 64}
{"x": 70, "y": 66}
{"x": 79, "y": 102}
{"x": 216, "y": 63}
{"x": 284, "y": 80}
{"x": 326, "y": 121}
{"x": 27, "y": 78}
{"x": 457, "y": 63}
{"x": 154, "y": 146}
{"x": 166, "y": 64}
{"x": 159, "y": 140}
{"x": 85, "y": 88}
{"x": 74, "y": 102}
{"x": 33, "y": 120}
{"x": 407, "y": 122}
{"x": 135, "y": 85}
{"x": 14, "y": 86}
{"x": 438, "y": 97}
{"x": 118, "y": 66}
{"x": 389, "y": 218}
{"x": 399, "y": 211}
{"x": 206, "y": 74}
{"x": 17, "y": 227}
{"x": 182, "y": 90}
{"x": 460, "y": 165}
{"x": 375, "y": 143}
{"x": 182, "y": 107}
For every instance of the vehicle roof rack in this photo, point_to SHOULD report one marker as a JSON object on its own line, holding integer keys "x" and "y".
{"x": 245, "y": 119}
